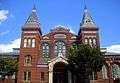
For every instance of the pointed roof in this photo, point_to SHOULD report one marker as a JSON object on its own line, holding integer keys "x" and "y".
{"x": 87, "y": 20}
{"x": 32, "y": 21}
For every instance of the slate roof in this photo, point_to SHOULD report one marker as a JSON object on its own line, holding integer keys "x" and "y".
{"x": 87, "y": 21}
{"x": 33, "y": 21}
{"x": 44, "y": 60}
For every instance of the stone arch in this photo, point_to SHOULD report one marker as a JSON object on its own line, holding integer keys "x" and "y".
{"x": 58, "y": 59}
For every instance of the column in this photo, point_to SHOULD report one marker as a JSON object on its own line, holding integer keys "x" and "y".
{"x": 50, "y": 76}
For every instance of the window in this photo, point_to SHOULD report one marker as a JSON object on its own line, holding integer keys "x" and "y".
{"x": 105, "y": 72}
{"x": 42, "y": 76}
{"x": 45, "y": 48}
{"x": 86, "y": 41}
{"x": 27, "y": 76}
{"x": 115, "y": 71}
{"x": 88, "y": 21}
{"x": 94, "y": 41}
{"x": 28, "y": 59}
{"x": 25, "y": 43}
{"x": 59, "y": 48}
{"x": 29, "y": 43}
{"x": 90, "y": 42}
{"x": 33, "y": 43}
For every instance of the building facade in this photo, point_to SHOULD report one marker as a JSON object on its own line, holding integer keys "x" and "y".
{"x": 43, "y": 58}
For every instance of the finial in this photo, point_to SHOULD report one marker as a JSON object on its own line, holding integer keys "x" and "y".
{"x": 85, "y": 5}
{"x": 34, "y": 8}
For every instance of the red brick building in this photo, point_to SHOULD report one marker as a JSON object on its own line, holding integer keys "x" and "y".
{"x": 43, "y": 58}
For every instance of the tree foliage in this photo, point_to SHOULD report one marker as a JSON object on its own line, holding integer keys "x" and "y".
{"x": 85, "y": 56}
{"x": 8, "y": 66}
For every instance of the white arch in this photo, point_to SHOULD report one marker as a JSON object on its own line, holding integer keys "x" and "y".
{"x": 60, "y": 58}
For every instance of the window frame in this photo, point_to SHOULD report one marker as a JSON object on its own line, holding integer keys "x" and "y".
{"x": 42, "y": 76}
{"x": 45, "y": 49}
{"x": 33, "y": 41}
{"x": 116, "y": 71}
{"x": 25, "y": 43}
{"x": 28, "y": 60}
{"x": 29, "y": 43}
{"x": 94, "y": 41}
{"x": 86, "y": 41}
{"x": 58, "y": 48}
{"x": 27, "y": 76}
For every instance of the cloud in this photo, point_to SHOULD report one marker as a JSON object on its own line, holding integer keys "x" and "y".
{"x": 4, "y": 33}
{"x": 114, "y": 48}
{"x": 3, "y": 15}
{"x": 9, "y": 47}
{"x": 72, "y": 31}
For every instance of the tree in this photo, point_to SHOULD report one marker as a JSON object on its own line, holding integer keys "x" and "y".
{"x": 8, "y": 66}
{"x": 84, "y": 59}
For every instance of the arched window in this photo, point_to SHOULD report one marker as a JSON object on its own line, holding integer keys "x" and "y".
{"x": 90, "y": 42}
{"x": 115, "y": 71}
{"x": 59, "y": 48}
{"x": 94, "y": 41}
{"x": 105, "y": 72}
{"x": 86, "y": 41}
{"x": 28, "y": 59}
{"x": 25, "y": 43}
{"x": 27, "y": 76}
{"x": 29, "y": 43}
{"x": 45, "y": 48}
{"x": 33, "y": 43}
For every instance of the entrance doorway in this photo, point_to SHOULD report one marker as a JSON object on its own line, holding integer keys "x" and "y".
{"x": 60, "y": 73}
{"x": 117, "y": 81}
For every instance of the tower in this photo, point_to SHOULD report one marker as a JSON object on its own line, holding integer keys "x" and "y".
{"x": 88, "y": 33}
{"x": 29, "y": 49}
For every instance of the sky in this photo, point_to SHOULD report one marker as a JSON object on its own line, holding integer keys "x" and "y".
{"x": 14, "y": 13}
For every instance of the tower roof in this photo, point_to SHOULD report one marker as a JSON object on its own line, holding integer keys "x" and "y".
{"x": 32, "y": 21}
{"x": 87, "y": 20}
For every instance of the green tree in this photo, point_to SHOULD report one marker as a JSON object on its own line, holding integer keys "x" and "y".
{"x": 83, "y": 60}
{"x": 8, "y": 66}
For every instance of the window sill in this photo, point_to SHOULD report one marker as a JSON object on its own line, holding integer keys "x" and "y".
{"x": 27, "y": 64}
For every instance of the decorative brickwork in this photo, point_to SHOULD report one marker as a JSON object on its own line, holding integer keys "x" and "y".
{"x": 44, "y": 53}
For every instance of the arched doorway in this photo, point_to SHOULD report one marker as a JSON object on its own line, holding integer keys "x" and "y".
{"x": 60, "y": 73}
{"x": 117, "y": 80}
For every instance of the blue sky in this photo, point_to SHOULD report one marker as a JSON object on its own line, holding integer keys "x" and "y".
{"x": 105, "y": 13}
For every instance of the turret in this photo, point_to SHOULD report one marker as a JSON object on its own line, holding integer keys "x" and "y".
{"x": 88, "y": 33}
